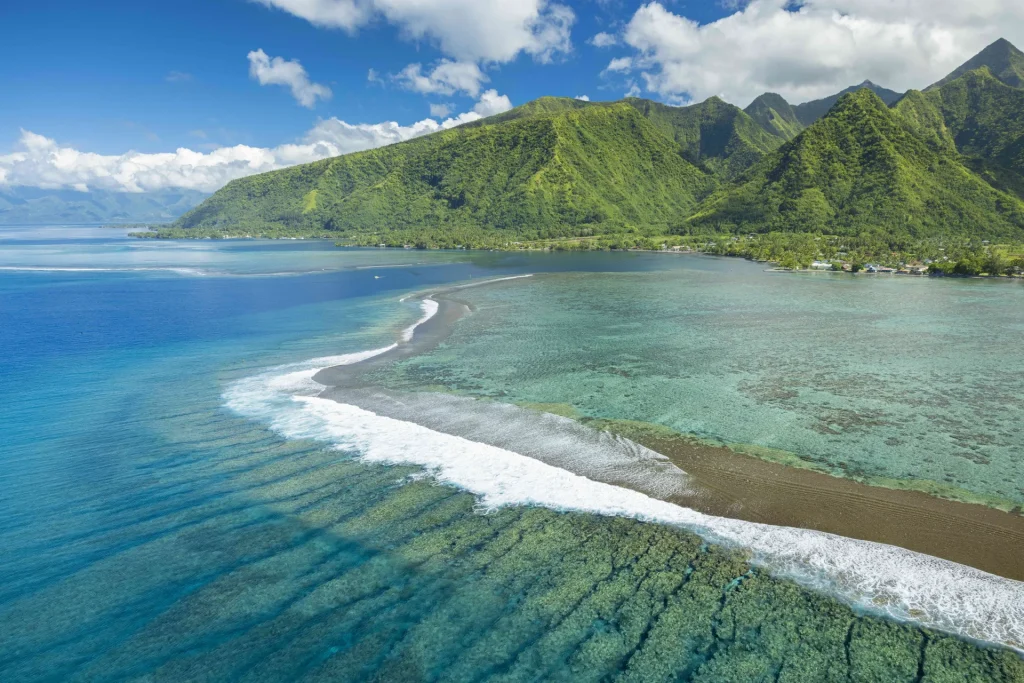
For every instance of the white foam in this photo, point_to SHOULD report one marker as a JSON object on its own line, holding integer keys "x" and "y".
{"x": 474, "y": 284}
{"x": 429, "y": 307}
{"x": 69, "y": 269}
{"x": 903, "y": 584}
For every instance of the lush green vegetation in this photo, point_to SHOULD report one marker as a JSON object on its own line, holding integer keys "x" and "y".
{"x": 925, "y": 178}
{"x": 1004, "y": 60}
{"x": 861, "y": 170}
{"x": 809, "y": 112}
{"x": 978, "y": 116}
{"x": 714, "y": 134}
{"x": 773, "y": 113}
{"x": 580, "y": 171}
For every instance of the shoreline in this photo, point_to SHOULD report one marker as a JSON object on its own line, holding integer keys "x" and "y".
{"x": 743, "y": 486}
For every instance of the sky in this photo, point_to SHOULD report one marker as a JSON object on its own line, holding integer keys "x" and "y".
{"x": 142, "y": 96}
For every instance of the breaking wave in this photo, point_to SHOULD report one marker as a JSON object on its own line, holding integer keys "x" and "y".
{"x": 505, "y": 464}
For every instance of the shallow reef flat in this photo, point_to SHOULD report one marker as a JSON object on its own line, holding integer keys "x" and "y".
{"x": 897, "y": 383}
{"x": 263, "y": 559}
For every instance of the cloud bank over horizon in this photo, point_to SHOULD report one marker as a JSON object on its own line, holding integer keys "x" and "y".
{"x": 39, "y": 161}
{"x": 810, "y": 49}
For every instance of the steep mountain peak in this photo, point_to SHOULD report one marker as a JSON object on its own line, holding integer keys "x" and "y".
{"x": 858, "y": 167}
{"x": 809, "y": 112}
{"x": 863, "y": 97}
{"x": 774, "y": 114}
{"x": 1002, "y": 58}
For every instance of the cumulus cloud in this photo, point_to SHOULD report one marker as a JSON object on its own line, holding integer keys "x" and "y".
{"x": 492, "y": 103}
{"x": 278, "y": 71}
{"x": 467, "y": 30}
{"x": 603, "y": 39}
{"x": 584, "y": 98}
{"x": 619, "y": 64}
{"x": 814, "y": 48}
{"x": 441, "y": 110}
{"x": 446, "y": 78}
{"x": 39, "y": 161}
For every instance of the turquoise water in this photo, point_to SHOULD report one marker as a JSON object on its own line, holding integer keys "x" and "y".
{"x": 904, "y": 378}
{"x": 151, "y": 532}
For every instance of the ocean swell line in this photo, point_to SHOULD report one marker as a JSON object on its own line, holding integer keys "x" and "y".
{"x": 879, "y": 578}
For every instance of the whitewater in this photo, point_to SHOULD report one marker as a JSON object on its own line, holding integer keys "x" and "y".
{"x": 869, "y": 576}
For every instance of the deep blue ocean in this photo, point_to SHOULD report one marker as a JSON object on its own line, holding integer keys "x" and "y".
{"x": 150, "y": 532}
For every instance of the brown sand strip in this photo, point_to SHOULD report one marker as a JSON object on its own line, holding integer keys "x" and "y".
{"x": 748, "y": 488}
{"x": 745, "y": 487}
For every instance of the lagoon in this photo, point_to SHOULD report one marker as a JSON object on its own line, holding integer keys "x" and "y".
{"x": 154, "y": 528}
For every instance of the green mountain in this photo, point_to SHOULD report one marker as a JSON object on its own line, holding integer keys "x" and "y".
{"x": 714, "y": 134}
{"x": 870, "y": 162}
{"x": 809, "y": 112}
{"x": 861, "y": 169}
{"x": 551, "y": 169}
{"x": 1004, "y": 60}
{"x": 775, "y": 115}
{"x": 979, "y": 116}
{"x": 34, "y": 206}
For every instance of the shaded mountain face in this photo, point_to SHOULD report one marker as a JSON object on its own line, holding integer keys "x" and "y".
{"x": 809, "y": 112}
{"x": 775, "y": 115}
{"x": 980, "y": 117}
{"x": 861, "y": 169}
{"x": 34, "y": 206}
{"x": 1003, "y": 60}
{"x": 551, "y": 169}
{"x": 714, "y": 134}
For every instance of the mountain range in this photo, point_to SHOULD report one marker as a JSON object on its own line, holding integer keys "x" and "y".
{"x": 33, "y": 206}
{"x": 947, "y": 160}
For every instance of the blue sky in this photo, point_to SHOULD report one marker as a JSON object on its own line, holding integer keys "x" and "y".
{"x": 99, "y": 75}
{"x": 137, "y": 96}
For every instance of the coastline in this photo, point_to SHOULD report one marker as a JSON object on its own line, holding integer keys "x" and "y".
{"x": 763, "y": 487}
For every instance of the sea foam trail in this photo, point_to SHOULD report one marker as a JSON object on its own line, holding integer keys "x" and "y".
{"x": 429, "y": 307}
{"x": 903, "y": 584}
{"x": 551, "y": 439}
{"x": 141, "y": 269}
{"x": 473, "y": 284}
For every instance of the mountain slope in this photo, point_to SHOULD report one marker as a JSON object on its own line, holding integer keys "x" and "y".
{"x": 28, "y": 205}
{"x": 981, "y": 117}
{"x": 1004, "y": 60}
{"x": 552, "y": 170}
{"x": 775, "y": 115}
{"x": 861, "y": 169}
{"x": 809, "y": 112}
{"x": 717, "y": 135}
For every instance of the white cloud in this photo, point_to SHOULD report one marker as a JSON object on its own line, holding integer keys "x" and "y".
{"x": 814, "y": 48}
{"x": 492, "y": 103}
{"x": 468, "y": 30}
{"x": 603, "y": 40}
{"x": 178, "y": 77}
{"x": 446, "y": 78}
{"x": 622, "y": 64}
{"x": 278, "y": 71}
{"x": 440, "y": 110}
{"x": 634, "y": 90}
{"x": 39, "y": 161}
{"x": 584, "y": 98}
{"x": 346, "y": 14}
